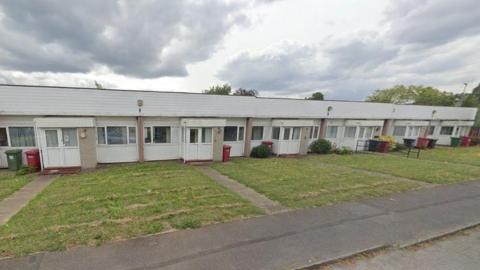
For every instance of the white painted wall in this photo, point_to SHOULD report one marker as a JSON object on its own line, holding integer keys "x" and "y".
{"x": 119, "y": 152}
{"x": 163, "y": 151}
{"x": 15, "y": 121}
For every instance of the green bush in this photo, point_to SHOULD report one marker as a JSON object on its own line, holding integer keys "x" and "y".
{"x": 321, "y": 146}
{"x": 25, "y": 170}
{"x": 261, "y": 151}
{"x": 344, "y": 150}
{"x": 399, "y": 147}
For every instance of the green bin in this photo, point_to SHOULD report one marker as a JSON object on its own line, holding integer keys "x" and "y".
{"x": 455, "y": 141}
{"x": 14, "y": 158}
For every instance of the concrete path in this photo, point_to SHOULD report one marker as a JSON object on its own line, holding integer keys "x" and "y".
{"x": 259, "y": 200}
{"x": 289, "y": 240}
{"x": 455, "y": 252}
{"x": 15, "y": 202}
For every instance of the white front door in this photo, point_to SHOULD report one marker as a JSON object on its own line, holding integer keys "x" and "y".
{"x": 60, "y": 147}
{"x": 198, "y": 144}
{"x": 290, "y": 143}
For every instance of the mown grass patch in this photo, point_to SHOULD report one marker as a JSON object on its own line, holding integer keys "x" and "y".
{"x": 10, "y": 182}
{"x": 412, "y": 168}
{"x": 119, "y": 202}
{"x": 308, "y": 182}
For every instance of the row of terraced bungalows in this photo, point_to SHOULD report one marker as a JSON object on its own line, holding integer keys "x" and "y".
{"x": 81, "y": 127}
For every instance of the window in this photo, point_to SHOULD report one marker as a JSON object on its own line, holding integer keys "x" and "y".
{"x": 332, "y": 132}
{"x": 117, "y": 135}
{"x": 132, "y": 135}
{"x": 446, "y": 131}
{"x": 241, "y": 131}
{"x": 286, "y": 133}
{"x": 368, "y": 132}
{"x": 314, "y": 132}
{"x": 69, "y": 137}
{"x": 296, "y": 133}
{"x": 3, "y": 137}
{"x": 147, "y": 134}
{"x": 101, "y": 135}
{"x": 230, "y": 134}
{"x": 350, "y": 132}
{"x": 399, "y": 131}
{"x": 414, "y": 131}
{"x": 276, "y": 133}
{"x": 257, "y": 133}
{"x": 163, "y": 135}
{"x": 51, "y": 136}
{"x": 206, "y": 135}
{"x": 22, "y": 136}
{"x": 431, "y": 130}
{"x": 193, "y": 135}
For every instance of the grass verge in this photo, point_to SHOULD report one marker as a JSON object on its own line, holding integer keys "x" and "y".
{"x": 119, "y": 202}
{"x": 9, "y": 182}
{"x": 308, "y": 182}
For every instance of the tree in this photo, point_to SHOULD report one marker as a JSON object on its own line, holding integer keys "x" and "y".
{"x": 98, "y": 85}
{"x": 476, "y": 91}
{"x": 316, "y": 96}
{"x": 470, "y": 101}
{"x": 413, "y": 94}
{"x": 245, "y": 92}
{"x": 218, "y": 90}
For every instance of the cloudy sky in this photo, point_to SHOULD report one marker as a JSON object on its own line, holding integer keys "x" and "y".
{"x": 345, "y": 49}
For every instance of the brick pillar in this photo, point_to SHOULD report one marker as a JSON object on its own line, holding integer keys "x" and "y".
{"x": 217, "y": 143}
{"x": 387, "y": 129}
{"x": 88, "y": 147}
{"x": 323, "y": 129}
{"x": 248, "y": 137}
{"x": 140, "y": 139}
{"x": 304, "y": 140}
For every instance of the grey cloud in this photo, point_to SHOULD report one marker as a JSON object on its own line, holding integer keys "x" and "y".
{"x": 427, "y": 43}
{"x": 138, "y": 38}
{"x": 433, "y": 22}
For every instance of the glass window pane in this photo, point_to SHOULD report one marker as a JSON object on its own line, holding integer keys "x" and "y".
{"x": 193, "y": 135}
{"x": 241, "y": 132}
{"x": 257, "y": 133}
{"x": 206, "y": 135}
{"x": 350, "y": 132}
{"x": 147, "y": 134}
{"x": 399, "y": 131}
{"x": 161, "y": 135}
{"x": 276, "y": 133}
{"x": 69, "y": 137}
{"x": 117, "y": 135}
{"x": 446, "y": 131}
{"x": 51, "y": 137}
{"x": 332, "y": 132}
{"x": 230, "y": 134}
{"x": 22, "y": 136}
{"x": 286, "y": 133}
{"x": 3, "y": 137}
{"x": 296, "y": 133}
{"x": 132, "y": 135}
{"x": 101, "y": 135}
{"x": 315, "y": 132}
{"x": 431, "y": 130}
{"x": 369, "y": 132}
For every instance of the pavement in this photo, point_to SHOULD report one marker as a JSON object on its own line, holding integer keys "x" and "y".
{"x": 259, "y": 200}
{"x": 15, "y": 202}
{"x": 288, "y": 240}
{"x": 455, "y": 252}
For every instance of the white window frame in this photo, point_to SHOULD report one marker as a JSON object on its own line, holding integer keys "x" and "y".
{"x": 10, "y": 141}
{"x": 8, "y": 136}
{"x": 106, "y": 135}
{"x": 263, "y": 133}
{"x": 327, "y": 132}
{"x": 237, "y": 139}
{"x": 152, "y": 130}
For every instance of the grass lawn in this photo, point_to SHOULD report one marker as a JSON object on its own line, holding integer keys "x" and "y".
{"x": 465, "y": 155}
{"x": 417, "y": 169}
{"x": 119, "y": 202}
{"x": 307, "y": 182}
{"x": 9, "y": 183}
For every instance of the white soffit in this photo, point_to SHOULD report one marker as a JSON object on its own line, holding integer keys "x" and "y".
{"x": 410, "y": 123}
{"x": 203, "y": 122}
{"x": 64, "y": 122}
{"x": 292, "y": 123}
{"x": 366, "y": 123}
{"x": 457, "y": 123}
